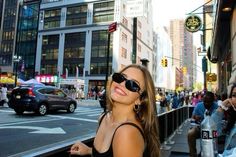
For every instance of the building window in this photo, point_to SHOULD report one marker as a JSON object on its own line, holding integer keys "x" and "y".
{"x": 139, "y": 48}
{"x": 139, "y": 24}
{"x": 103, "y": 12}
{"x": 125, "y": 22}
{"x": 123, "y": 53}
{"x": 49, "y": 54}
{"x": 124, "y": 37}
{"x": 139, "y": 35}
{"x": 74, "y": 53}
{"x": 76, "y": 15}
{"x": 99, "y": 44}
{"x": 52, "y": 18}
{"x": 99, "y": 52}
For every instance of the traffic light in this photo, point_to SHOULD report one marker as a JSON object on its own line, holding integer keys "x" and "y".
{"x": 162, "y": 62}
{"x": 184, "y": 70}
{"x": 165, "y": 62}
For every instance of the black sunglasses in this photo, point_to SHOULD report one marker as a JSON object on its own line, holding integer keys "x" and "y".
{"x": 234, "y": 95}
{"x": 129, "y": 84}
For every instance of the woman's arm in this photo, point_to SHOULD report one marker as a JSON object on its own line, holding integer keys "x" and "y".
{"x": 218, "y": 115}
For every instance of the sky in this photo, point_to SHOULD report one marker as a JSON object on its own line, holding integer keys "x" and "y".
{"x": 164, "y": 10}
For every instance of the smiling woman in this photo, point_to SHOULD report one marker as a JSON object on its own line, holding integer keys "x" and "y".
{"x": 129, "y": 126}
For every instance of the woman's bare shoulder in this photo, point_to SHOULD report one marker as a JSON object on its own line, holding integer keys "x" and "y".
{"x": 128, "y": 141}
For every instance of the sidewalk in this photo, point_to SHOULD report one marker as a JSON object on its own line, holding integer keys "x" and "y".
{"x": 180, "y": 147}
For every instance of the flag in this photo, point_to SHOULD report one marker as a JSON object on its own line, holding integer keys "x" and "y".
{"x": 77, "y": 72}
{"x": 22, "y": 66}
{"x": 66, "y": 73}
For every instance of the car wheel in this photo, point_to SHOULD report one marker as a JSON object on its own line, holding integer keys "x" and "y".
{"x": 19, "y": 111}
{"x": 71, "y": 108}
{"x": 42, "y": 110}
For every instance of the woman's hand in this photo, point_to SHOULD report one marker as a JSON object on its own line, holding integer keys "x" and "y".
{"x": 226, "y": 104}
{"x": 80, "y": 148}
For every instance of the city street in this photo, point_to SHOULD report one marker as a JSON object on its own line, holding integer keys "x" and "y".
{"x": 20, "y": 134}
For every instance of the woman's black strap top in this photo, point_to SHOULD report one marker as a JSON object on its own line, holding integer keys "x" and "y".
{"x": 109, "y": 152}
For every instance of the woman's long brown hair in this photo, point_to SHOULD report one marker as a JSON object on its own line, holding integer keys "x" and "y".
{"x": 149, "y": 118}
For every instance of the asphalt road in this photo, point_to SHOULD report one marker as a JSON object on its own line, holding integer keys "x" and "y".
{"x": 24, "y": 133}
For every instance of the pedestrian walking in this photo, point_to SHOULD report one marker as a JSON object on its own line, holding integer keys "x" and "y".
{"x": 4, "y": 98}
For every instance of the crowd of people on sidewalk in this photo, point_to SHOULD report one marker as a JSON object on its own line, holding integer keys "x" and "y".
{"x": 222, "y": 109}
{"x": 167, "y": 101}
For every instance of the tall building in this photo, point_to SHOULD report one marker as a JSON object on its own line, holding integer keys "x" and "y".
{"x": 182, "y": 52}
{"x": 8, "y": 30}
{"x": 73, "y": 40}
{"x": 165, "y": 75}
{"x": 26, "y": 40}
{"x": 19, "y": 26}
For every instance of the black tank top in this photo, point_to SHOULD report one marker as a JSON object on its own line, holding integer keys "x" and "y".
{"x": 109, "y": 152}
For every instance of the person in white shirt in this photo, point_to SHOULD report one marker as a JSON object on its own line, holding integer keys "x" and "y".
{"x": 4, "y": 98}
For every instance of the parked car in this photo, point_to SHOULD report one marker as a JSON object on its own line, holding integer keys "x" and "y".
{"x": 40, "y": 99}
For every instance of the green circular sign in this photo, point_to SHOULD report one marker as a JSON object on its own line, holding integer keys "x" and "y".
{"x": 193, "y": 23}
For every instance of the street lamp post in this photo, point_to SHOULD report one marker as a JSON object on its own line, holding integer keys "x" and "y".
{"x": 16, "y": 60}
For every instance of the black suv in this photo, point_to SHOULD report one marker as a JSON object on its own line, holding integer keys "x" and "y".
{"x": 40, "y": 99}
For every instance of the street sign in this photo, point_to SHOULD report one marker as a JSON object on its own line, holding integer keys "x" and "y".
{"x": 193, "y": 23}
{"x": 204, "y": 64}
{"x": 135, "y": 8}
{"x": 112, "y": 27}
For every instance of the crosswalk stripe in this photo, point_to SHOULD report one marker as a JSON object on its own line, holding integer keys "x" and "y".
{"x": 96, "y": 114}
{"x": 88, "y": 112}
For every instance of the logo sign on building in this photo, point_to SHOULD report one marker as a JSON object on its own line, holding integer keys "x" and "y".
{"x": 193, "y": 23}
{"x": 135, "y": 8}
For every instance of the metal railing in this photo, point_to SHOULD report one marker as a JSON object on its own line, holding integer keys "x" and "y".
{"x": 169, "y": 124}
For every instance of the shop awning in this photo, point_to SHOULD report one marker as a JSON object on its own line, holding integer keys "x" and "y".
{"x": 221, "y": 31}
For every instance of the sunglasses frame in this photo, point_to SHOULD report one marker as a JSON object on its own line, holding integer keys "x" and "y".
{"x": 129, "y": 84}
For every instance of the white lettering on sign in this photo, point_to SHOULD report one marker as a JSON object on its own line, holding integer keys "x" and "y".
{"x": 135, "y": 8}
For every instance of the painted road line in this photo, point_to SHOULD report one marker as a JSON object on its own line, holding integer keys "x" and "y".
{"x": 39, "y": 130}
{"x": 95, "y": 114}
{"x": 27, "y": 122}
{"x": 73, "y": 118}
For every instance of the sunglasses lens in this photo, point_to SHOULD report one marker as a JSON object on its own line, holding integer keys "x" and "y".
{"x": 118, "y": 78}
{"x": 132, "y": 86}
{"x": 129, "y": 84}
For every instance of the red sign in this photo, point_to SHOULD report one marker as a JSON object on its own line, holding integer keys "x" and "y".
{"x": 112, "y": 27}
